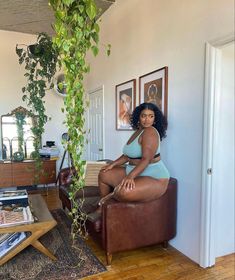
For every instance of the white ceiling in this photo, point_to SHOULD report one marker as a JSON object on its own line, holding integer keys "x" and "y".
{"x": 32, "y": 16}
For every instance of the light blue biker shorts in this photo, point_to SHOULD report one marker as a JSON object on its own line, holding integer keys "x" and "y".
{"x": 156, "y": 170}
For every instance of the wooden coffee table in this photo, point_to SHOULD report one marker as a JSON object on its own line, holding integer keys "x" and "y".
{"x": 45, "y": 223}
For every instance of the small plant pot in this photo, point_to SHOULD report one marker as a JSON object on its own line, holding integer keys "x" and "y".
{"x": 36, "y": 50}
{"x": 18, "y": 156}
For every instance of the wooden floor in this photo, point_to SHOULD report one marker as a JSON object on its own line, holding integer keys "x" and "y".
{"x": 152, "y": 262}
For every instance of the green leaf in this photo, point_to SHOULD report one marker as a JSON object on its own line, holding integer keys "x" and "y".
{"x": 19, "y": 51}
{"x": 21, "y": 60}
{"x": 91, "y": 9}
{"x": 80, "y": 21}
{"x": 81, "y": 8}
{"x": 108, "y": 50}
{"x": 95, "y": 37}
{"x": 67, "y": 2}
{"x": 66, "y": 46}
{"x": 95, "y": 50}
{"x": 97, "y": 28}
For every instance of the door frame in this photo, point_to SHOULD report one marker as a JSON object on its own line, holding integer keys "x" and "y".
{"x": 100, "y": 88}
{"x": 211, "y": 109}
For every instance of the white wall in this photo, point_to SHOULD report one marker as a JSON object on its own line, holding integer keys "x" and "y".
{"x": 12, "y": 80}
{"x": 224, "y": 158}
{"x": 147, "y": 35}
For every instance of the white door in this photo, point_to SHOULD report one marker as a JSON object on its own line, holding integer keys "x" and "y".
{"x": 95, "y": 136}
{"x": 217, "y": 215}
{"x": 223, "y": 157}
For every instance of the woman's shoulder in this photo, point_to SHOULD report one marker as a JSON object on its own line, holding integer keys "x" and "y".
{"x": 150, "y": 131}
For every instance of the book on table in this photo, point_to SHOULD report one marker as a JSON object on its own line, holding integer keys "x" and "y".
{"x": 17, "y": 216}
{"x": 9, "y": 241}
{"x": 13, "y": 203}
{"x": 18, "y": 194}
{"x": 10, "y": 198}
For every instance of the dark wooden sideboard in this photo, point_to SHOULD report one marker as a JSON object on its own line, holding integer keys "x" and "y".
{"x": 16, "y": 174}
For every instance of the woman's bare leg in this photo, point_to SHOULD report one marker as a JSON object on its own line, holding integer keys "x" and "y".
{"x": 109, "y": 180}
{"x": 146, "y": 189}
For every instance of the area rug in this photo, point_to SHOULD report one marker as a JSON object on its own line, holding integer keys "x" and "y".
{"x": 71, "y": 263}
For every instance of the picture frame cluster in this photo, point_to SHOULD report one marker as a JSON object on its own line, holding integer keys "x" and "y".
{"x": 153, "y": 88}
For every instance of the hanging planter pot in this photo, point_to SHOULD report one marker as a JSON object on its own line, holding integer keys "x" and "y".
{"x": 36, "y": 50}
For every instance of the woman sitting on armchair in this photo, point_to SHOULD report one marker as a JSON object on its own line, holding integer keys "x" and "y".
{"x": 145, "y": 177}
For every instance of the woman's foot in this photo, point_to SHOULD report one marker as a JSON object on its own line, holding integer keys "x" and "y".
{"x": 105, "y": 198}
{"x": 97, "y": 213}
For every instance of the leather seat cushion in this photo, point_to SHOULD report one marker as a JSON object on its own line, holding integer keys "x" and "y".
{"x": 90, "y": 191}
{"x": 90, "y": 204}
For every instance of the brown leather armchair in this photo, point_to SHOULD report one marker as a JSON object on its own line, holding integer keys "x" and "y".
{"x": 125, "y": 226}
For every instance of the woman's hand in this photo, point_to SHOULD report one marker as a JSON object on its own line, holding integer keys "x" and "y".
{"x": 107, "y": 167}
{"x": 127, "y": 183}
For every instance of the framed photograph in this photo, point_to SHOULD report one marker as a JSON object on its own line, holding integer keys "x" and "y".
{"x": 125, "y": 103}
{"x": 153, "y": 88}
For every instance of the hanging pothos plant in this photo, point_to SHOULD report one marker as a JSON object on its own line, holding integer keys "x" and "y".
{"x": 20, "y": 121}
{"x": 76, "y": 33}
{"x": 40, "y": 64}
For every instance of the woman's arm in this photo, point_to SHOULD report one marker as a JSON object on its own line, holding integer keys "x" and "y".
{"x": 149, "y": 144}
{"x": 119, "y": 161}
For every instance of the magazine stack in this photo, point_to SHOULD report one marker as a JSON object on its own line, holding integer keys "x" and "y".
{"x": 14, "y": 208}
{"x": 10, "y": 240}
{"x": 14, "y": 197}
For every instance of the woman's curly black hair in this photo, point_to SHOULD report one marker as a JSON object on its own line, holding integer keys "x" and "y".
{"x": 160, "y": 122}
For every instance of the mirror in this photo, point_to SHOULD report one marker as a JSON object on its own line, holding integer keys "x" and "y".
{"x": 17, "y": 137}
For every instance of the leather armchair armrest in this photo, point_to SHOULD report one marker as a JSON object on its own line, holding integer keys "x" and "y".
{"x": 65, "y": 176}
{"x": 132, "y": 225}
{"x": 121, "y": 221}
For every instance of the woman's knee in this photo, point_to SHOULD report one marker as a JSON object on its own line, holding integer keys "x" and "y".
{"x": 102, "y": 176}
{"x": 123, "y": 195}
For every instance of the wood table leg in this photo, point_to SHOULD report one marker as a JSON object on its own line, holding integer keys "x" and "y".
{"x": 31, "y": 240}
{"x": 109, "y": 258}
{"x": 38, "y": 245}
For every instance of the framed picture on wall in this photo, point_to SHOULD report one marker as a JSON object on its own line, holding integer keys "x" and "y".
{"x": 125, "y": 103}
{"x": 153, "y": 88}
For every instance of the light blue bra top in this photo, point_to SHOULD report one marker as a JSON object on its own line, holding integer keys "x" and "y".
{"x": 134, "y": 149}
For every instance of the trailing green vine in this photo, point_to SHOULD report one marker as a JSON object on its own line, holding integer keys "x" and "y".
{"x": 40, "y": 62}
{"x": 40, "y": 65}
{"x": 20, "y": 121}
{"x": 76, "y": 32}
